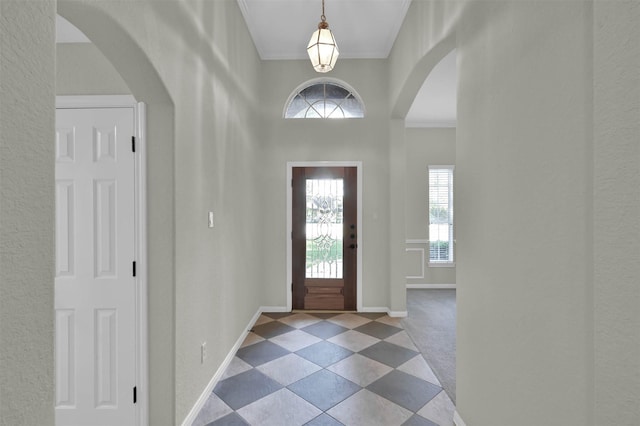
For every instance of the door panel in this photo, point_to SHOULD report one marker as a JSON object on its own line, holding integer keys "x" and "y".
{"x": 324, "y": 237}
{"x": 94, "y": 284}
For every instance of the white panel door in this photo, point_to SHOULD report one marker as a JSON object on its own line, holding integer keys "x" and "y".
{"x": 95, "y": 287}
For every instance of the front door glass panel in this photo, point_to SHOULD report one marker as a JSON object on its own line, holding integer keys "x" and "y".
{"x": 324, "y": 228}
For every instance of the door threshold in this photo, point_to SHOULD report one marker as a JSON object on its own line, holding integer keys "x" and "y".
{"x": 321, "y": 311}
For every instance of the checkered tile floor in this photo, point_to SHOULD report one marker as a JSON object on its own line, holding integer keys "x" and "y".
{"x": 327, "y": 369}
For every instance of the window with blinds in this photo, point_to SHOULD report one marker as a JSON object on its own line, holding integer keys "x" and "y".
{"x": 441, "y": 242}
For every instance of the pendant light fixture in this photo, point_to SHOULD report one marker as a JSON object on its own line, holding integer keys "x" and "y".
{"x": 322, "y": 48}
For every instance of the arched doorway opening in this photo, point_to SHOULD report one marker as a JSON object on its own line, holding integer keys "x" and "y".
{"x": 427, "y": 103}
{"x": 156, "y": 347}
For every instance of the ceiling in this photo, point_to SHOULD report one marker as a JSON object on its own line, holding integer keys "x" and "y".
{"x": 281, "y": 29}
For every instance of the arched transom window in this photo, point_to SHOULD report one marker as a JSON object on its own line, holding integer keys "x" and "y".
{"x": 324, "y": 99}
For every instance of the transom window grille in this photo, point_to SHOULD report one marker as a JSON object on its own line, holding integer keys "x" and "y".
{"x": 324, "y": 99}
{"x": 441, "y": 242}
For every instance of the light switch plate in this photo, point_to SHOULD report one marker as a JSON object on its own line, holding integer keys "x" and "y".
{"x": 210, "y": 219}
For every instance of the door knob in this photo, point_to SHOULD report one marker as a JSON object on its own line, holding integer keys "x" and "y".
{"x": 353, "y": 246}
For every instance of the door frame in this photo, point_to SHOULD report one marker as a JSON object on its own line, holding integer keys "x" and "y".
{"x": 290, "y": 166}
{"x": 140, "y": 224}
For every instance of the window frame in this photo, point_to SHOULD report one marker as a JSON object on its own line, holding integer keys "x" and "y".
{"x": 450, "y": 263}
{"x": 321, "y": 81}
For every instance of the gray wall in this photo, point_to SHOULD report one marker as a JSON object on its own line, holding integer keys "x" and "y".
{"x": 365, "y": 140}
{"x": 27, "y": 37}
{"x": 524, "y": 248}
{"x": 425, "y": 147}
{"x": 616, "y": 215}
{"x": 201, "y": 286}
{"x": 547, "y": 128}
{"x": 548, "y": 116}
{"x": 82, "y": 69}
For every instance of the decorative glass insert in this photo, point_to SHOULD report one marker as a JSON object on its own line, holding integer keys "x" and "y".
{"x": 324, "y": 100}
{"x": 441, "y": 214}
{"x": 324, "y": 225}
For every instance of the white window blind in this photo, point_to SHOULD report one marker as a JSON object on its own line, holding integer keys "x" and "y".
{"x": 441, "y": 215}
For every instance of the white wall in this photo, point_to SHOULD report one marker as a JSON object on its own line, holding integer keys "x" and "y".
{"x": 27, "y": 37}
{"x": 365, "y": 140}
{"x": 425, "y": 147}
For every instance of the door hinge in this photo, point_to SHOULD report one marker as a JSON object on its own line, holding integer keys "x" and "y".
{"x": 134, "y": 268}
{"x": 133, "y": 144}
{"x": 292, "y": 287}
{"x": 135, "y": 394}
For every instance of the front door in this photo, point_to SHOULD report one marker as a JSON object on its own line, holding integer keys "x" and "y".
{"x": 95, "y": 287}
{"x": 324, "y": 238}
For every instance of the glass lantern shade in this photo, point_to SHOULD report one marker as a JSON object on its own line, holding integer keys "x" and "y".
{"x": 323, "y": 50}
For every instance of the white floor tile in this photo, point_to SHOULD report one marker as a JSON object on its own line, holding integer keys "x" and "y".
{"x": 280, "y": 408}
{"x": 353, "y": 340}
{"x": 211, "y": 411}
{"x": 251, "y": 339}
{"x": 236, "y": 366}
{"x": 288, "y": 369}
{"x": 295, "y": 340}
{"x": 439, "y": 410}
{"x": 418, "y": 367}
{"x": 349, "y": 320}
{"x": 368, "y": 409}
{"x": 300, "y": 320}
{"x": 402, "y": 339}
{"x": 263, "y": 319}
{"x": 360, "y": 369}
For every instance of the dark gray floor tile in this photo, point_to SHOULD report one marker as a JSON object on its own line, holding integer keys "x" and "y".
{"x": 276, "y": 315}
{"x": 261, "y": 352}
{"x": 389, "y": 354}
{"x": 272, "y": 329}
{"x": 325, "y": 329}
{"x": 245, "y": 388}
{"x": 372, "y": 315}
{"x": 232, "y": 419}
{"x": 324, "y": 315}
{"x": 378, "y": 329}
{"x": 324, "y": 353}
{"x": 405, "y": 390}
{"x": 324, "y": 420}
{"x": 324, "y": 389}
{"x": 417, "y": 420}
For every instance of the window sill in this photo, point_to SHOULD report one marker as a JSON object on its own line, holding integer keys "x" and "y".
{"x": 441, "y": 264}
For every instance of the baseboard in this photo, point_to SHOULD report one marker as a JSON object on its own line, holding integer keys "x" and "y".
{"x": 273, "y": 309}
{"x": 188, "y": 421}
{"x": 374, "y": 309}
{"x": 457, "y": 420}
{"x": 431, "y": 286}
